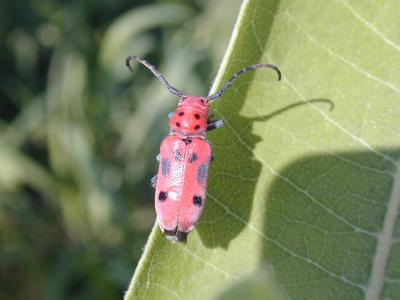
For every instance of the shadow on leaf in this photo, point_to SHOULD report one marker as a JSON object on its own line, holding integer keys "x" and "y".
{"x": 227, "y": 201}
{"x": 322, "y": 215}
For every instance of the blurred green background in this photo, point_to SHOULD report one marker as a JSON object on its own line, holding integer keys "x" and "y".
{"x": 79, "y": 134}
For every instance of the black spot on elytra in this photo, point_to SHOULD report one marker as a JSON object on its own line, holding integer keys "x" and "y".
{"x": 193, "y": 157}
{"x": 162, "y": 196}
{"x": 187, "y": 141}
{"x": 197, "y": 200}
{"x": 177, "y": 155}
{"x": 202, "y": 173}
{"x": 178, "y": 124}
{"x": 197, "y": 127}
{"x": 181, "y": 113}
{"x": 197, "y": 116}
{"x": 165, "y": 166}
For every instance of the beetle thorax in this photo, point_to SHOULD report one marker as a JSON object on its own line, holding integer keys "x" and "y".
{"x": 190, "y": 117}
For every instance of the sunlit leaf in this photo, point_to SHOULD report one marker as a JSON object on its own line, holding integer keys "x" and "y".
{"x": 257, "y": 286}
{"x": 307, "y": 173}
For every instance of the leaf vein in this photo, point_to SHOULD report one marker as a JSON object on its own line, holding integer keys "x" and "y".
{"x": 384, "y": 241}
{"x": 346, "y": 61}
{"x": 369, "y": 25}
{"x": 343, "y": 129}
{"x": 285, "y": 249}
{"x": 302, "y": 141}
{"x": 297, "y": 188}
{"x": 214, "y": 267}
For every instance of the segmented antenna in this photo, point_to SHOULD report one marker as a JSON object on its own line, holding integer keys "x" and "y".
{"x": 156, "y": 73}
{"x": 237, "y": 74}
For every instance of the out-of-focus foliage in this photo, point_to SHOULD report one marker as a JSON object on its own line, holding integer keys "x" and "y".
{"x": 79, "y": 133}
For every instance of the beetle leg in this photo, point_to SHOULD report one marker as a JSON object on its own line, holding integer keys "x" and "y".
{"x": 153, "y": 181}
{"x": 170, "y": 115}
{"x": 181, "y": 236}
{"x": 215, "y": 124}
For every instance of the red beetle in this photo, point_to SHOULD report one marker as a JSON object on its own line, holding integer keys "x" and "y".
{"x": 185, "y": 155}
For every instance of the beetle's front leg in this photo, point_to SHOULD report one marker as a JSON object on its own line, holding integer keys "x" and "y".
{"x": 153, "y": 180}
{"x": 215, "y": 124}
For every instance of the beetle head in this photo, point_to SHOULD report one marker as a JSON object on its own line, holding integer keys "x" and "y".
{"x": 191, "y": 115}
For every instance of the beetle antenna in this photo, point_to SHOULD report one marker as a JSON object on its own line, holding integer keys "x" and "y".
{"x": 237, "y": 74}
{"x": 154, "y": 70}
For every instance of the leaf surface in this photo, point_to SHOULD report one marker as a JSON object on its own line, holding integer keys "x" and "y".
{"x": 307, "y": 173}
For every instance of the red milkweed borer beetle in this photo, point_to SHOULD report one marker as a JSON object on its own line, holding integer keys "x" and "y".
{"x": 185, "y": 155}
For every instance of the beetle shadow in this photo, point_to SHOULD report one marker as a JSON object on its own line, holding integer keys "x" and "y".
{"x": 233, "y": 195}
{"x": 322, "y": 214}
{"x": 212, "y": 227}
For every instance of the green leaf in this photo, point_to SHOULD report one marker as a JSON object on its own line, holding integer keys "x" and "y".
{"x": 307, "y": 171}
{"x": 257, "y": 286}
